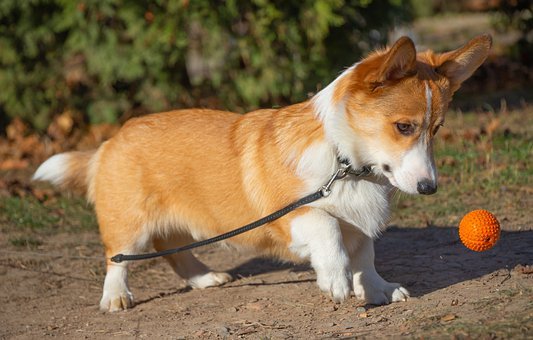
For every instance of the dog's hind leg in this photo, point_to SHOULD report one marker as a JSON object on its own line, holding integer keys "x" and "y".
{"x": 367, "y": 283}
{"x": 116, "y": 294}
{"x": 187, "y": 266}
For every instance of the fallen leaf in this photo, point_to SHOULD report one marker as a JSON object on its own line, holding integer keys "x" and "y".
{"x": 471, "y": 134}
{"x": 447, "y": 160}
{"x": 16, "y": 129}
{"x": 448, "y": 317}
{"x": 492, "y": 126}
{"x": 29, "y": 145}
{"x": 524, "y": 269}
{"x": 65, "y": 122}
{"x": 14, "y": 164}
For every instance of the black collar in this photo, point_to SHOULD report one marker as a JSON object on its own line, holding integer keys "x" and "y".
{"x": 365, "y": 170}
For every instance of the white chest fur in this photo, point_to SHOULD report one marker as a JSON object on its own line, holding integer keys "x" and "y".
{"x": 361, "y": 202}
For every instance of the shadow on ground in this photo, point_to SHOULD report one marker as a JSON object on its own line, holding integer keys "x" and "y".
{"x": 258, "y": 266}
{"x": 428, "y": 259}
{"x": 425, "y": 260}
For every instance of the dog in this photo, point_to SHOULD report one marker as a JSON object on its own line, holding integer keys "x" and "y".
{"x": 170, "y": 178}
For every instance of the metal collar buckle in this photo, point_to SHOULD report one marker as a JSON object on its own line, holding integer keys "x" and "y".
{"x": 344, "y": 170}
{"x": 339, "y": 174}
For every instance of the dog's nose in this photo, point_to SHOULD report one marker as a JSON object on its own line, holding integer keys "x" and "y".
{"x": 426, "y": 187}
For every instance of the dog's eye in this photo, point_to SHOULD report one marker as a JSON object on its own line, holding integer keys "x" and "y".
{"x": 405, "y": 128}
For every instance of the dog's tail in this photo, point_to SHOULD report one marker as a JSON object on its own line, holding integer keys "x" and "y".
{"x": 70, "y": 170}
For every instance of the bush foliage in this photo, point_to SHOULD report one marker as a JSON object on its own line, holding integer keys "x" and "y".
{"x": 109, "y": 59}
{"x": 518, "y": 15}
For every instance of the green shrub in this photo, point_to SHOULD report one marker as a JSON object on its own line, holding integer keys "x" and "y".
{"x": 109, "y": 59}
{"x": 517, "y": 16}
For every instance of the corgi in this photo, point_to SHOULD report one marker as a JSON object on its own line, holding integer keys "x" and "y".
{"x": 170, "y": 178}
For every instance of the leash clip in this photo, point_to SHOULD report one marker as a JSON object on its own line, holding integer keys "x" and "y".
{"x": 344, "y": 170}
{"x": 339, "y": 174}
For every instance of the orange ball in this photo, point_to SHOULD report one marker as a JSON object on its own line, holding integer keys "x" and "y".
{"x": 479, "y": 230}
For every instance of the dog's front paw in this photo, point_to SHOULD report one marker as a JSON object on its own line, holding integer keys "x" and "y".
{"x": 116, "y": 301}
{"x": 373, "y": 289}
{"x": 335, "y": 285}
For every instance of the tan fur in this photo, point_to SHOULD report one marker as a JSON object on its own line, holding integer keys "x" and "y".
{"x": 153, "y": 170}
{"x": 78, "y": 178}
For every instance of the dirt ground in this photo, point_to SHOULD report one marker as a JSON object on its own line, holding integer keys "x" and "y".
{"x": 54, "y": 292}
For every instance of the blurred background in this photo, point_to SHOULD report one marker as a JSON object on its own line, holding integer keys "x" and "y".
{"x": 106, "y": 61}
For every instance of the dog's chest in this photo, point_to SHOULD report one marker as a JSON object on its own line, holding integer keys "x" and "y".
{"x": 361, "y": 203}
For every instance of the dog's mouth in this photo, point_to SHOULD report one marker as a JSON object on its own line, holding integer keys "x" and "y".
{"x": 423, "y": 187}
{"x": 392, "y": 180}
{"x": 408, "y": 183}
{"x": 386, "y": 170}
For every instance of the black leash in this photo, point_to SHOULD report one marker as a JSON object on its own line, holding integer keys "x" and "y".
{"x": 324, "y": 191}
{"x": 274, "y": 216}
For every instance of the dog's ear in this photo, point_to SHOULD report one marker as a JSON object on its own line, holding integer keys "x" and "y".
{"x": 375, "y": 71}
{"x": 460, "y": 64}
{"x": 400, "y": 61}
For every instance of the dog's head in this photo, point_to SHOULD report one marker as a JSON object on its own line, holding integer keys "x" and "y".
{"x": 393, "y": 103}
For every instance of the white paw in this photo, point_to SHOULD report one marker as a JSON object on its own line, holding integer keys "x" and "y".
{"x": 116, "y": 296}
{"x": 376, "y": 291}
{"x": 116, "y": 301}
{"x": 210, "y": 279}
{"x": 337, "y": 286}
